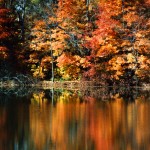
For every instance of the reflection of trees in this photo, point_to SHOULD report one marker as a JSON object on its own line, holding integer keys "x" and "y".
{"x": 121, "y": 126}
{"x": 142, "y": 130}
{"x": 77, "y": 122}
{"x": 40, "y": 121}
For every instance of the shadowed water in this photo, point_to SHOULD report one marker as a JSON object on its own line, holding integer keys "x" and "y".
{"x": 98, "y": 119}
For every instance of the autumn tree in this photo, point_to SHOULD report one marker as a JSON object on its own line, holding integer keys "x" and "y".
{"x": 9, "y": 36}
{"x": 76, "y": 22}
{"x": 61, "y": 36}
{"x": 5, "y": 34}
{"x": 116, "y": 50}
{"x": 104, "y": 40}
{"x": 39, "y": 58}
{"x": 38, "y": 43}
{"x": 132, "y": 60}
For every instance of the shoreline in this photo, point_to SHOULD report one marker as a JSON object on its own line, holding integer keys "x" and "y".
{"x": 68, "y": 85}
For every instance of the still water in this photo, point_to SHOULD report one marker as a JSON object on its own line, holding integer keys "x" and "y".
{"x": 102, "y": 119}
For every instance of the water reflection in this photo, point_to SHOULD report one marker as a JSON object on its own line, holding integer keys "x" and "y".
{"x": 76, "y": 120}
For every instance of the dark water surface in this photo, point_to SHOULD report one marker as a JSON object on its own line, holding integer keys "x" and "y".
{"x": 73, "y": 120}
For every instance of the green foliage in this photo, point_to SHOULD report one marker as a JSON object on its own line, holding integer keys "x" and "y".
{"x": 35, "y": 1}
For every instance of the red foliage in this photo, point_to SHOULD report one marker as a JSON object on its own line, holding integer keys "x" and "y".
{"x": 3, "y": 48}
{"x": 4, "y": 11}
{"x": 5, "y": 31}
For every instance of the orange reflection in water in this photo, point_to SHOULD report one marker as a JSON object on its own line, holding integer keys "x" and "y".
{"x": 93, "y": 124}
{"x": 74, "y": 123}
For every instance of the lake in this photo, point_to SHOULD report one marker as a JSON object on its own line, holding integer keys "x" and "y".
{"x": 92, "y": 119}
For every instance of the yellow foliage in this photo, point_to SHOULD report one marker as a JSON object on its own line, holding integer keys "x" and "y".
{"x": 116, "y": 64}
{"x": 38, "y": 72}
{"x": 33, "y": 58}
{"x": 130, "y": 58}
{"x": 70, "y": 72}
{"x": 38, "y": 98}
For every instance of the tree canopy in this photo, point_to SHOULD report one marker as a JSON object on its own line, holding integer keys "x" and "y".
{"x": 102, "y": 40}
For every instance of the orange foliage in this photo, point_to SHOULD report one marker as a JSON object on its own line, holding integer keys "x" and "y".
{"x": 103, "y": 38}
{"x": 117, "y": 24}
{"x": 69, "y": 66}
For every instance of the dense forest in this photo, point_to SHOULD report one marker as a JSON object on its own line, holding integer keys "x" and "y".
{"x": 106, "y": 41}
